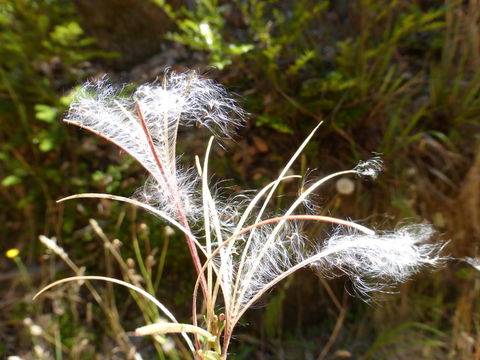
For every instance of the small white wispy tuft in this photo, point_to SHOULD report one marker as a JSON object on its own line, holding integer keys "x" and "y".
{"x": 371, "y": 167}
{"x": 310, "y": 203}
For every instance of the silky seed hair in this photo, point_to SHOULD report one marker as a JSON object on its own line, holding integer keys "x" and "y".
{"x": 179, "y": 99}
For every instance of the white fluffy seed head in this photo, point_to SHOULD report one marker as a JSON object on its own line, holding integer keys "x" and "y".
{"x": 376, "y": 262}
{"x": 192, "y": 99}
{"x": 187, "y": 98}
{"x": 370, "y": 168}
{"x": 144, "y": 123}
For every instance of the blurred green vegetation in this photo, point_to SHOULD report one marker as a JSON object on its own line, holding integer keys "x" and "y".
{"x": 401, "y": 78}
{"x": 43, "y": 52}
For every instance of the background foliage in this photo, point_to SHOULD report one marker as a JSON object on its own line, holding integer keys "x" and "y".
{"x": 400, "y": 78}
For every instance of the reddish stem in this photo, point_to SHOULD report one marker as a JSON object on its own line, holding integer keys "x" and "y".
{"x": 180, "y": 210}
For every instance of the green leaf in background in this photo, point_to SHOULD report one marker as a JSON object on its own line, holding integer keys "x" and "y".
{"x": 46, "y": 144}
{"x": 66, "y": 33}
{"x": 11, "y": 180}
{"x": 275, "y": 122}
{"x": 45, "y": 140}
{"x": 273, "y": 315}
{"x": 45, "y": 113}
{"x": 67, "y": 99}
{"x": 239, "y": 49}
{"x": 43, "y": 22}
{"x": 300, "y": 62}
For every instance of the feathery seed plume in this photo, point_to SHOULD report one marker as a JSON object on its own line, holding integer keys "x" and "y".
{"x": 145, "y": 125}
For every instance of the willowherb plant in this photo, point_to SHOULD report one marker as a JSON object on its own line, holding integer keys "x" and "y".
{"x": 239, "y": 251}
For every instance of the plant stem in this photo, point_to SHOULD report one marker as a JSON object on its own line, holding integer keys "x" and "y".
{"x": 174, "y": 194}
